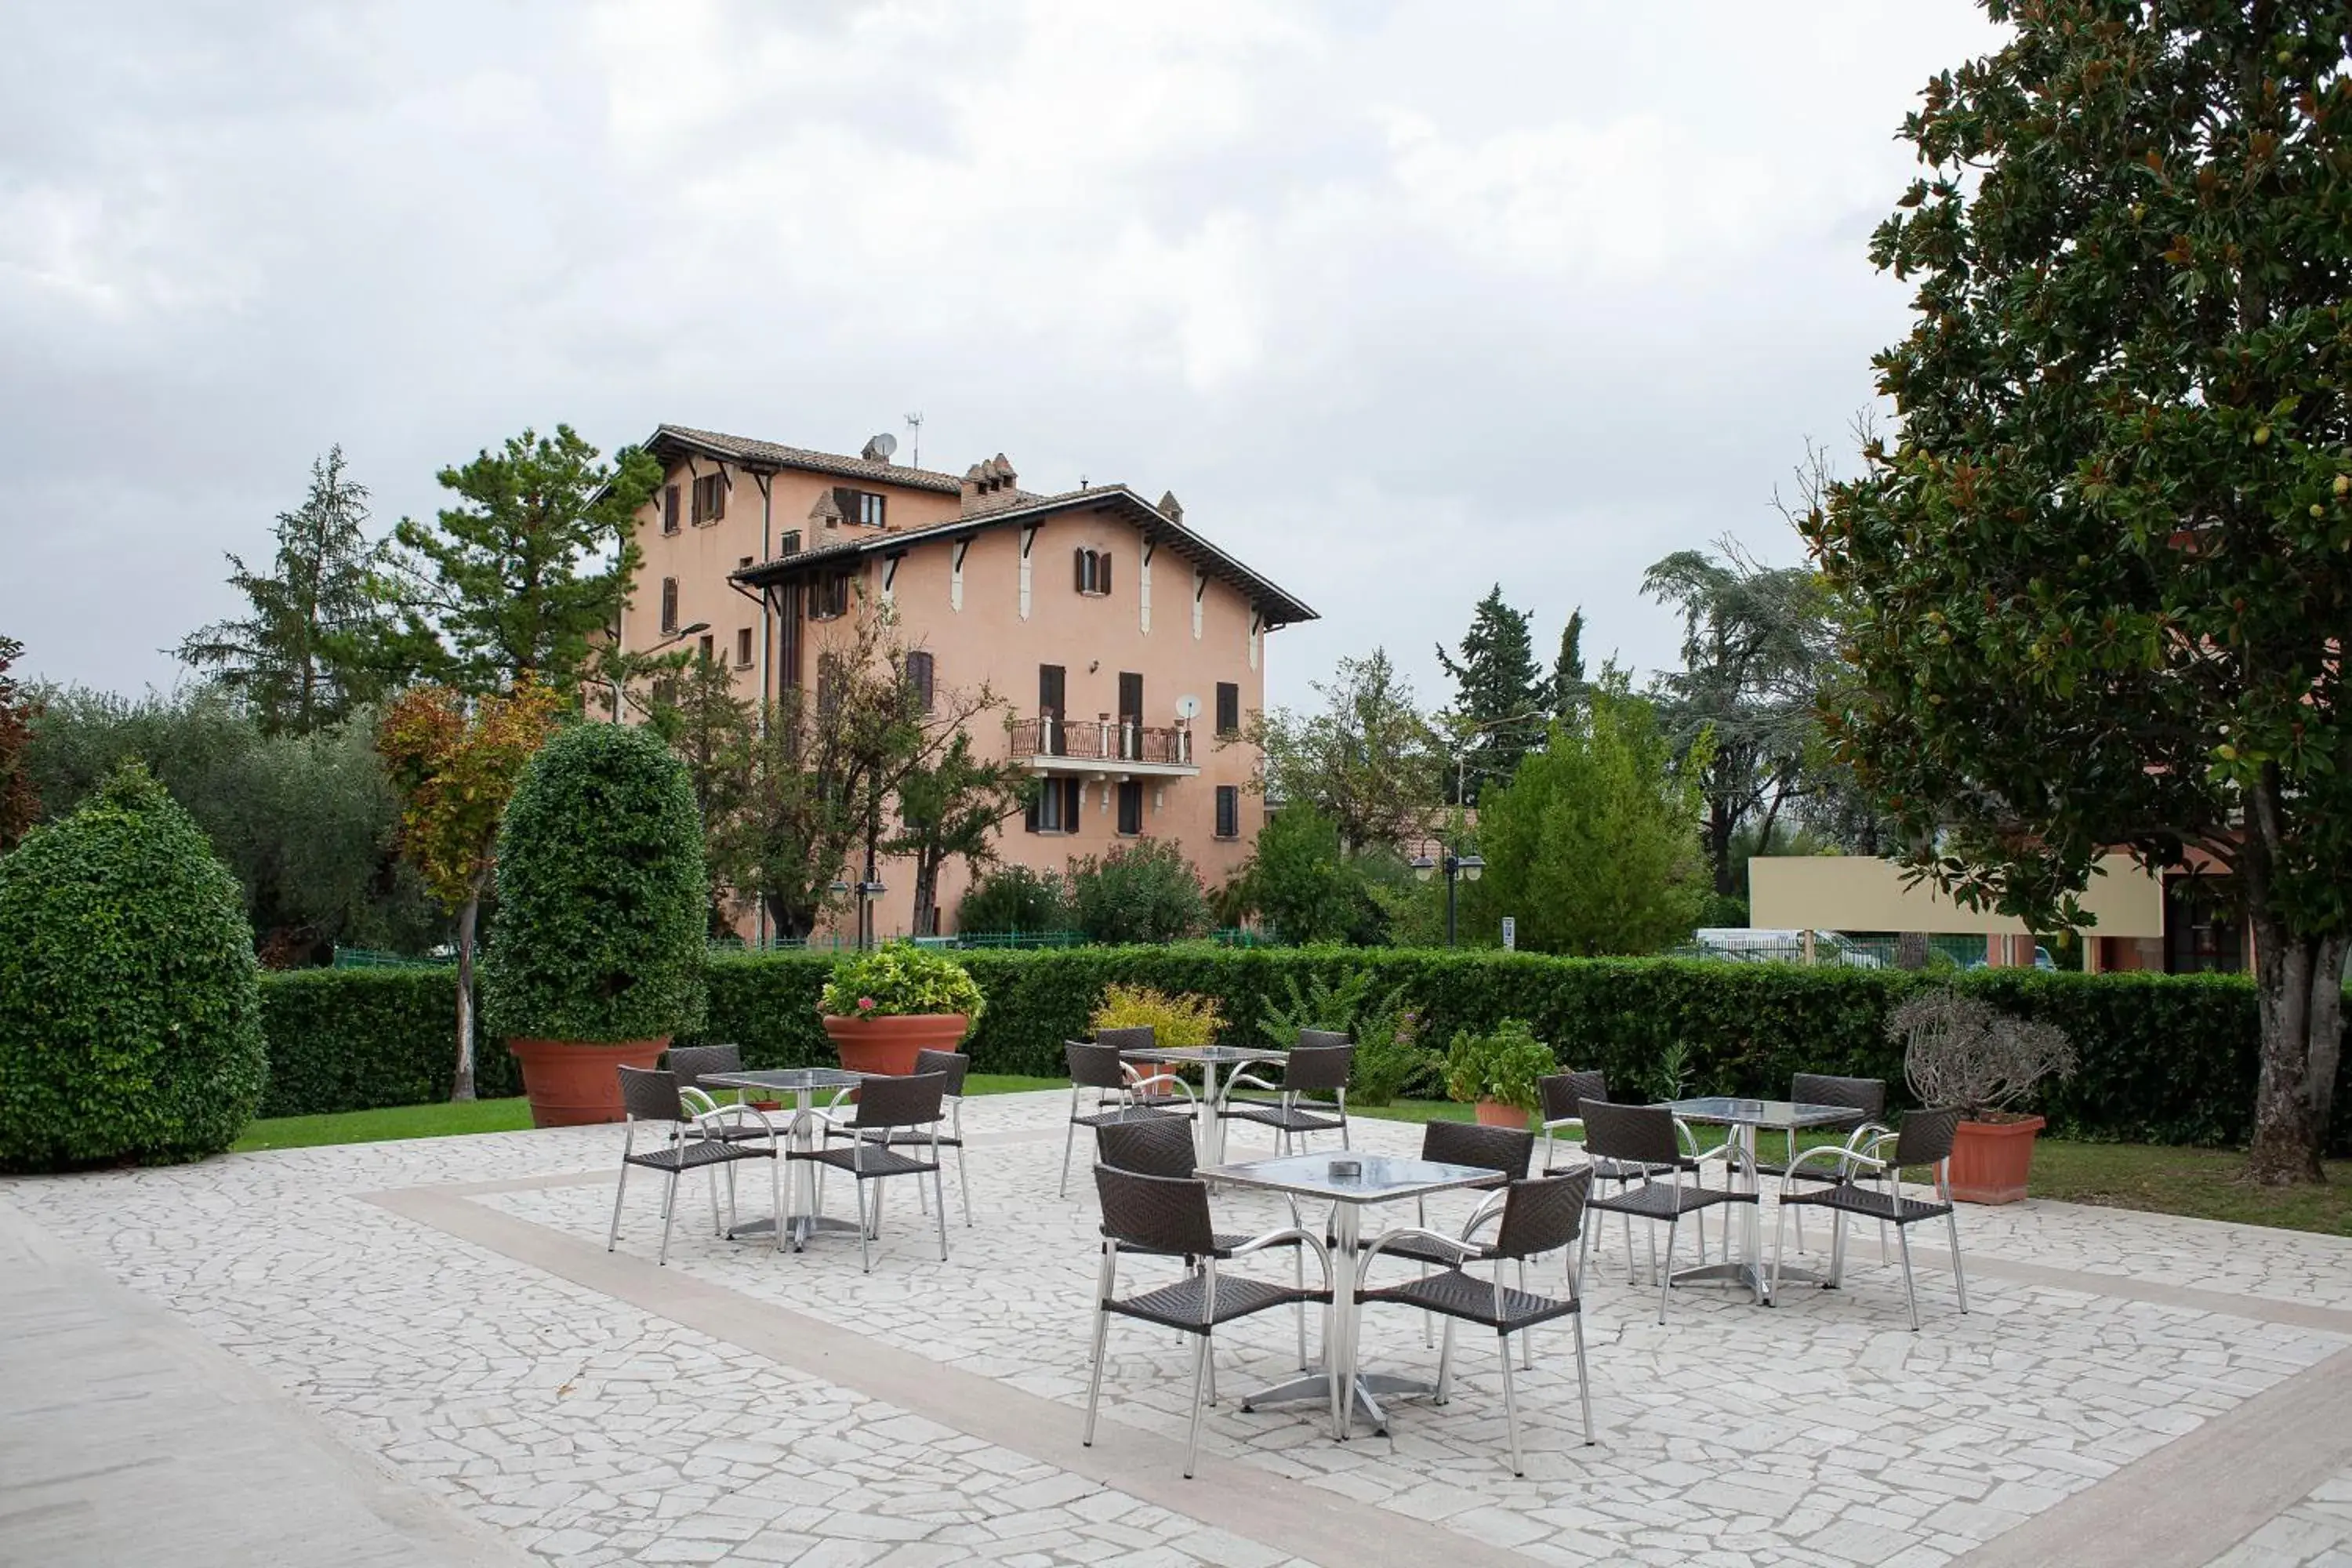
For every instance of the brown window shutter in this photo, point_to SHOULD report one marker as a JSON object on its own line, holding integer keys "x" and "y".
{"x": 844, "y": 501}
{"x": 718, "y": 497}
{"x": 670, "y": 509}
{"x": 1070, "y": 804}
{"x": 1102, "y": 572}
{"x": 669, "y": 605}
{"x": 1078, "y": 565}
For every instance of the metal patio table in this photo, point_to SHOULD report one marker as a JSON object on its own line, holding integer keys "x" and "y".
{"x": 1378, "y": 1179}
{"x": 804, "y": 1084}
{"x": 1209, "y": 1128}
{"x": 1741, "y": 1118}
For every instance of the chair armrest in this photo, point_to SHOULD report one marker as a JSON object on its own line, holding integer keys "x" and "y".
{"x": 1462, "y": 1251}
{"x": 1252, "y": 1080}
{"x": 740, "y": 1112}
{"x": 1137, "y": 1085}
{"x": 1489, "y": 1209}
{"x": 698, "y": 1099}
{"x": 1842, "y": 1156}
{"x": 1549, "y": 1128}
{"x": 1288, "y": 1234}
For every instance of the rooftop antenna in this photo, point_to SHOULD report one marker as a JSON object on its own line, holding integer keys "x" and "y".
{"x": 915, "y": 439}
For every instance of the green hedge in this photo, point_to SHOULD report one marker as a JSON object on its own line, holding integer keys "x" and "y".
{"x": 2164, "y": 1058}
{"x": 354, "y": 1039}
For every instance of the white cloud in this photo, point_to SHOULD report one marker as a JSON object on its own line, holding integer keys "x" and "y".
{"x": 1402, "y": 300}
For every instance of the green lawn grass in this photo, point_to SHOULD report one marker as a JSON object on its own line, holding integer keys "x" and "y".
{"x": 441, "y": 1120}
{"x": 2206, "y": 1184}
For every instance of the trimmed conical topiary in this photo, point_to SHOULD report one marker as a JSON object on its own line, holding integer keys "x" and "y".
{"x": 130, "y": 1000}
{"x": 599, "y": 932}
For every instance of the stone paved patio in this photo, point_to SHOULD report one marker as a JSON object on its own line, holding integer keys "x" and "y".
{"x": 446, "y": 1308}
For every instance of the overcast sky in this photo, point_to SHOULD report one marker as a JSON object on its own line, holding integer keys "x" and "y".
{"x": 1400, "y": 299}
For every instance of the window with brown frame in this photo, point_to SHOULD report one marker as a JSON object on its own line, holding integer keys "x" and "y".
{"x": 670, "y": 509}
{"x": 708, "y": 647}
{"x": 1092, "y": 570}
{"x": 669, "y": 605}
{"x": 829, "y": 597}
{"x": 709, "y": 498}
{"x": 1054, "y": 807}
{"x": 1229, "y": 708}
{"x": 919, "y": 677}
{"x": 742, "y": 647}
{"x": 1130, "y": 807}
{"x": 1229, "y": 811}
{"x": 865, "y": 508}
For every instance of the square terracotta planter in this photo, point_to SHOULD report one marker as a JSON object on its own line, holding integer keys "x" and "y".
{"x": 1495, "y": 1113}
{"x": 1991, "y": 1160}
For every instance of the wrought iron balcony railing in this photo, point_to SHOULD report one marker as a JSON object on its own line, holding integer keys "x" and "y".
{"x": 1105, "y": 741}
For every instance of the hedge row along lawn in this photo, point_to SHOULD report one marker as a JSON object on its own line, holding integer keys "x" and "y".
{"x": 2201, "y": 1183}
{"x": 2166, "y": 1059}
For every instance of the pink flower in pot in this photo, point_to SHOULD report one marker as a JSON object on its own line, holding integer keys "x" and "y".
{"x": 865, "y": 1004}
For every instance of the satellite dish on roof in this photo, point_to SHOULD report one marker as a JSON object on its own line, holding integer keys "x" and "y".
{"x": 1188, "y": 708}
{"x": 878, "y": 449}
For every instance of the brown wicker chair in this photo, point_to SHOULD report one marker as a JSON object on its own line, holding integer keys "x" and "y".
{"x": 1169, "y": 1217}
{"x": 887, "y": 1107}
{"x": 688, "y": 1144}
{"x": 1647, "y": 1140}
{"x": 951, "y": 1065}
{"x": 1925, "y": 1138}
{"x": 1545, "y": 1214}
{"x": 1096, "y": 1065}
{"x": 1865, "y": 1095}
{"x": 1321, "y": 1063}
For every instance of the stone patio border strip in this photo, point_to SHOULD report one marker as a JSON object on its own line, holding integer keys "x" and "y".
{"x": 2191, "y": 1501}
{"x": 2123, "y": 1286}
{"x": 1284, "y": 1515}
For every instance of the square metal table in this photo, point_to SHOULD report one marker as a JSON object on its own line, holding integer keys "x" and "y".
{"x": 804, "y": 1084}
{"x": 1741, "y": 1118}
{"x": 1380, "y": 1178}
{"x": 1209, "y": 1128}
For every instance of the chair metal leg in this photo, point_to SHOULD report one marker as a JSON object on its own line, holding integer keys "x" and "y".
{"x": 1200, "y": 1384}
{"x": 865, "y": 1236}
{"x": 1094, "y": 1383}
{"x": 1910, "y": 1293}
{"x": 1583, "y": 1241}
{"x": 776, "y": 1202}
{"x": 1446, "y": 1365}
{"x": 1960, "y": 1277}
{"x": 1069, "y": 1137}
{"x": 670, "y": 1216}
{"x": 612, "y": 1237}
{"x": 1780, "y": 1241}
{"x": 1583, "y": 1377}
{"x": 716, "y": 1228}
{"x": 939, "y": 1203}
{"x": 1298, "y": 1273}
{"x": 1511, "y": 1405}
{"x": 963, "y": 1166}
{"x": 1527, "y": 1336}
{"x": 1666, "y": 1276}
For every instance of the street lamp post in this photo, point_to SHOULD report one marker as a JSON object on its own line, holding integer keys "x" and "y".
{"x": 1459, "y": 867}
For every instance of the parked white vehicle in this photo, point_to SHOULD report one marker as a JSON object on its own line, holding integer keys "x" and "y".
{"x": 1745, "y": 945}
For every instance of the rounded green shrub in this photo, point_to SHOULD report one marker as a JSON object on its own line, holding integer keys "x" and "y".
{"x": 601, "y": 894}
{"x": 130, "y": 1000}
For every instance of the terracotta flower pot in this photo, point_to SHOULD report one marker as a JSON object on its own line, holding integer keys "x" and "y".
{"x": 1990, "y": 1160}
{"x": 1495, "y": 1113}
{"x": 887, "y": 1047}
{"x": 574, "y": 1083}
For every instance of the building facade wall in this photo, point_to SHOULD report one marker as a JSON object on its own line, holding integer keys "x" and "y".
{"x": 1198, "y": 631}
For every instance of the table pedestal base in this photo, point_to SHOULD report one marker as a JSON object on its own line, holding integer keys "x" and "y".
{"x": 1371, "y": 1387}
{"x": 801, "y": 1226}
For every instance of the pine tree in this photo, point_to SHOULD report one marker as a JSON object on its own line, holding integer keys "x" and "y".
{"x": 1500, "y": 696}
{"x": 1568, "y": 686}
{"x": 517, "y": 579}
{"x": 313, "y": 648}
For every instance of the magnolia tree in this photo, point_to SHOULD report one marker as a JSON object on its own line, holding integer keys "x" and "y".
{"x": 455, "y": 766}
{"x": 2094, "y": 590}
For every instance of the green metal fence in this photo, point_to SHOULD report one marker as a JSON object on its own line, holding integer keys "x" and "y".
{"x": 370, "y": 958}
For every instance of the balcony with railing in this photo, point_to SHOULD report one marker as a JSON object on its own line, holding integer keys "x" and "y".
{"x": 1103, "y": 746}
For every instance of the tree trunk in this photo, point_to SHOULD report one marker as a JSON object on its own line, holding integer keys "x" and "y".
{"x": 2288, "y": 1128}
{"x": 2326, "y": 1031}
{"x": 462, "y": 1088}
{"x": 926, "y": 895}
{"x": 1720, "y": 825}
{"x": 1911, "y": 951}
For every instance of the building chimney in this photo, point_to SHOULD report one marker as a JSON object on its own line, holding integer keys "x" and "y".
{"x": 825, "y": 515}
{"x": 1171, "y": 508}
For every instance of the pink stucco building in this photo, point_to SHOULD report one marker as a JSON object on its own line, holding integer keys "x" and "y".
{"x": 1127, "y": 643}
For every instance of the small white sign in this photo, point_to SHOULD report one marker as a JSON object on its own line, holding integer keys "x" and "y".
{"x": 1510, "y": 934}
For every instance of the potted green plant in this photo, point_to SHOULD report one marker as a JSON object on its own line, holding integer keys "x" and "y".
{"x": 1958, "y": 1052}
{"x": 1175, "y": 1022}
{"x": 882, "y": 1006}
{"x": 596, "y": 958}
{"x": 1497, "y": 1071}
